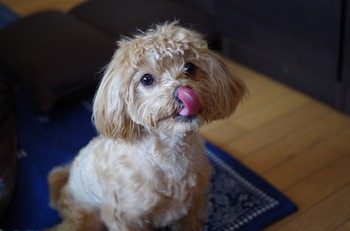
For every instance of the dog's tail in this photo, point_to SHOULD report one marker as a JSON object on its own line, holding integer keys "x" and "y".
{"x": 74, "y": 218}
{"x": 57, "y": 179}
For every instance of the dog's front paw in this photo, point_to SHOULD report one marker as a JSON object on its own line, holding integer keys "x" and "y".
{"x": 186, "y": 226}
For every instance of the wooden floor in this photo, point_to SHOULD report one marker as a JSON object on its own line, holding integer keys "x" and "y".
{"x": 299, "y": 145}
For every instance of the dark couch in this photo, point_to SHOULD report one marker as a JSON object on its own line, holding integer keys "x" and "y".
{"x": 8, "y": 138}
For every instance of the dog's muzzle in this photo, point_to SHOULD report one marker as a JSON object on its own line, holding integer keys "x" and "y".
{"x": 189, "y": 99}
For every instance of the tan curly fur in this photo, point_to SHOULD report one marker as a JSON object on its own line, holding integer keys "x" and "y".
{"x": 148, "y": 168}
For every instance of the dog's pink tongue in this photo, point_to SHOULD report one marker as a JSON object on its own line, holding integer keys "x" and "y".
{"x": 190, "y": 101}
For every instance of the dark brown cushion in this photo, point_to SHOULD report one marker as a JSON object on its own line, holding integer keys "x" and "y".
{"x": 8, "y": 144}
{"x": 119, "y": 17}
{"x": 54, "y": 55}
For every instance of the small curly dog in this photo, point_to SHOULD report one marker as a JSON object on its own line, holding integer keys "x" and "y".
{"x": 147, "y": 168}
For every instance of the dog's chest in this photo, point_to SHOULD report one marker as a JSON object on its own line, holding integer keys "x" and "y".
{"x": 160, "y": 183}
{"x": 175, "y": 197}
{"x": 174, "y": 171}
{"x": 175, "y": 184}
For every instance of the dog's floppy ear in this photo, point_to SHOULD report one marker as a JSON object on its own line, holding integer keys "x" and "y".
{"x": 230, "y": 88}
{"x": 110, "y": 113}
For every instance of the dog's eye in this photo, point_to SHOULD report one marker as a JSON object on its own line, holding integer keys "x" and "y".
{"x": 190, "y": 69}
{"x": 147, "y": 79}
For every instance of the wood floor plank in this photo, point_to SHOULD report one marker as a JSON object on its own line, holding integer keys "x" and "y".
{"x": 221, "y": 132}
{"x": 321, "y": 184}
{"x": 269, "y": 133}
{"x": 260, "y": 93}
{"x": 327, "y": 215}
{"x": 301, "y": 164}
{"x": 27, "y": 7}
{"x": 291, "y": 149}
{"x": 256, "y": 82}
{"x": 344, "y": 227}
{"x": 284, "y": 103}
{"x": 255, "y": 101}
{"x": 317, "y": 184}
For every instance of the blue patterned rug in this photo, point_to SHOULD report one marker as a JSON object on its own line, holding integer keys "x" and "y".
{"x": 6, "y": 16}
{"x": 240, "y": 200}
